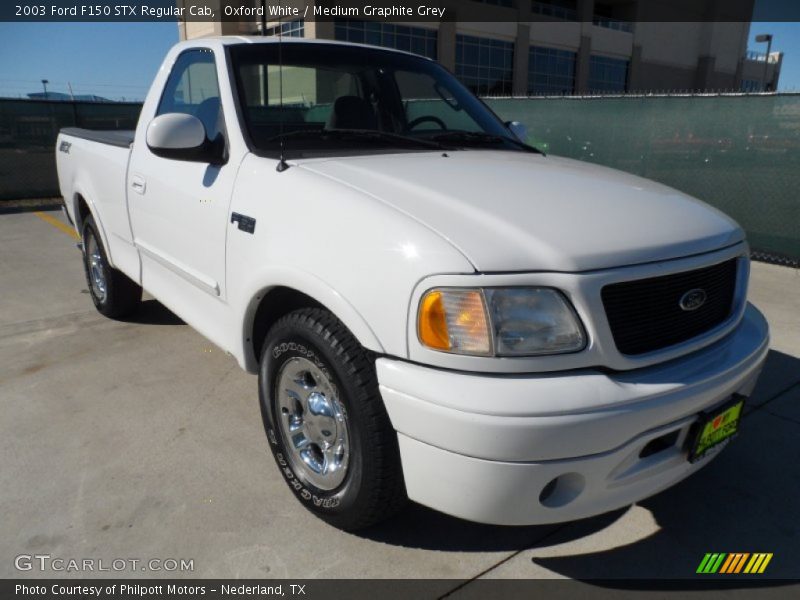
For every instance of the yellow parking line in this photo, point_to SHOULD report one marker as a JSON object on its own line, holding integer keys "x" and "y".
{"x": 70, "y": 231}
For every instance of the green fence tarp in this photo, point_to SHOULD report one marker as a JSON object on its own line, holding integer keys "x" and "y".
{"x": 28, "y": 130}
{"x": 740, "y": 153}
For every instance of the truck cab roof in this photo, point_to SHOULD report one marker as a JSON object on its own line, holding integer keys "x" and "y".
{"x": 232, "y": 40}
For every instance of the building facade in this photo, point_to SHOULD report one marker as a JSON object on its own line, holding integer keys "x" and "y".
{"x": 562, "y": 47}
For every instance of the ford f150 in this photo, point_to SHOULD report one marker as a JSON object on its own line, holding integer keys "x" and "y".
{"x": 435, "y": 310}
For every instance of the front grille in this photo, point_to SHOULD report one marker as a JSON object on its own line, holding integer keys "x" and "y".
{"x": 645, "y": 315}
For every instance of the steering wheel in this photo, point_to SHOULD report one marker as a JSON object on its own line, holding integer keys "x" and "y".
{"x": 426, "y": 119}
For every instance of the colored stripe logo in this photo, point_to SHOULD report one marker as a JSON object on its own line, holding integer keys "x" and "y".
{"x": 734, "y": 563}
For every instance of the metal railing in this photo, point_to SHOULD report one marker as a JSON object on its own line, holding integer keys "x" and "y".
{"x": 555, "y": 11}
{"x": 615, "y": 24}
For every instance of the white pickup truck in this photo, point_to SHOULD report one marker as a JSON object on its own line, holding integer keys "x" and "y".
{"x": 435, "y": 310}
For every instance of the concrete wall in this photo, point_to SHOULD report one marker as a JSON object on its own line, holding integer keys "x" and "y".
{"x": 564, "y": 35}
{"x": 706, "y": 54}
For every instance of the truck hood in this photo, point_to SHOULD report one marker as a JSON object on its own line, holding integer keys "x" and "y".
{"x": 509, "y": 211}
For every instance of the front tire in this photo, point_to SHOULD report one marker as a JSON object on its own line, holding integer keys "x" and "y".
{"x": 326, "y": 423}
{"x": 113, "y": 293}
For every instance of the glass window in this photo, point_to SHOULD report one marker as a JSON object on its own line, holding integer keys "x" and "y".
{"x": 400, "y": 37}
{"x": 424, "y": 106}
{"x": 751, "y": 85}
{"x": 615, "y": 15}
{"x": 558, "y": 9}
{"x": 288, "y": 29}
{"x": 607, "y": 74}
{"x": 348, "y": 99}
{"x": 301, "y": 95}
{"x": 615, "y": 24}
{"x": 485, "y": 65}
{"x": 192, "y": 88}
{"x": 551, "y": 71}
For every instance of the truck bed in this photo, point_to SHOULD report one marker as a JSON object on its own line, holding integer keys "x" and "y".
{"x": 116, "y": 137}
{"x": 92, "y": 166}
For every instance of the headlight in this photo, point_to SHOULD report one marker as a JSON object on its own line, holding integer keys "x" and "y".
{"x": 499, "y": 322}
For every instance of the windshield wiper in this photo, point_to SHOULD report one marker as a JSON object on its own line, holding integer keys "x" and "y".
{"x": 480, "y": 138}
{"x": 358, "y": 134}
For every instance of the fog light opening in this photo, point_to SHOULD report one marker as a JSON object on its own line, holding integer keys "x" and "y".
{"x": 659, "y": 444}
{"x": 562, "y": 490}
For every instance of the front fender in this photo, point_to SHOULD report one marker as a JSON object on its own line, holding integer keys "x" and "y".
{"x": 351, "y": 252}
{"x": 272, "y": 277}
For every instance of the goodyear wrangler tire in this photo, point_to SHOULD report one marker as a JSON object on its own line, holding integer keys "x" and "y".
{"x": 326, "y": 423}
{"x": 113, "y": 293}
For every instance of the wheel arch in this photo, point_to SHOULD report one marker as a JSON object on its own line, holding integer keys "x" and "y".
{"x": 83, "y": 207}
{"x": 268, "y": 303}
{"x": 81, "y": 210}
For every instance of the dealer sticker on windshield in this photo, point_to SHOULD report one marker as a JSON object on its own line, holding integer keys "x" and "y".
{"x": 716, "y": 427}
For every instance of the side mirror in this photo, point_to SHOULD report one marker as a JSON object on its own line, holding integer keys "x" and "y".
{"x": 518, "y": 130}
{"x": 182, "y": 137}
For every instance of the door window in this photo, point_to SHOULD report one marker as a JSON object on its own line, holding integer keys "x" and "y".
{"x": 193, "y": 89}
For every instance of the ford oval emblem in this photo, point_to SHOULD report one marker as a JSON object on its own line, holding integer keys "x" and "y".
{"x": 693, "y": 299}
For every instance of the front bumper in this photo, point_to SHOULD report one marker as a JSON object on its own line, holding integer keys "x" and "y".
{"x": 522, "y": 450}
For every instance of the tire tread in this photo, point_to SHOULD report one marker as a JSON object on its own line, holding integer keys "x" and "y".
{"x": 124, "y": 295}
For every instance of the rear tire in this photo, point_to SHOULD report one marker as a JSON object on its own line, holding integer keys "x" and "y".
{"x": 326, "y": 423}
{"x": 113, "y": 293}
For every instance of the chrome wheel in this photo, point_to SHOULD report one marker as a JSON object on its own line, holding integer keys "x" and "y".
{"x": 313, "y": 423}
{"x": 96, "y": 268}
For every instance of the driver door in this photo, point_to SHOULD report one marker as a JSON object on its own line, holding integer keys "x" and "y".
{"x": 179, "y": 208}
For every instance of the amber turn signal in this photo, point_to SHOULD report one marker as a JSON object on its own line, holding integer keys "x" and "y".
{"x": 433, "y": 322}
{"x": 454, "y": 320}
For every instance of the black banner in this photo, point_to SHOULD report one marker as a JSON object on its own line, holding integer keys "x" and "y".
{"x": 388, "y": 589}
{"x": 386, "y": 10}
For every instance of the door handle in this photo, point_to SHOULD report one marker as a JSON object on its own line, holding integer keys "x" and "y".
{"x": 138, "y": 184}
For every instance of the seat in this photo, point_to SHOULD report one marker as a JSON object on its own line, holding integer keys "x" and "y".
{"x": 352, "y": 112}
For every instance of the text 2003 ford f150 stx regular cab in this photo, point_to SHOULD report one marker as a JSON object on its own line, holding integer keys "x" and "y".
{"x": 435, "y": 310}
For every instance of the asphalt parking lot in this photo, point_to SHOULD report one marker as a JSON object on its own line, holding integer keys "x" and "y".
{"x": 142, "y": 440}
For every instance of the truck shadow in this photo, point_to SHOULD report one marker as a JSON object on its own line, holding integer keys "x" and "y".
{"x": 152, "y": 312}
{"x": 744, "y": 501}
{"x": 421, "y": 527}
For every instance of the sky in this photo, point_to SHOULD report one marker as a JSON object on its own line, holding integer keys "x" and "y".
{"x": 113, "y": 60}
{"x": 118, "y": 60}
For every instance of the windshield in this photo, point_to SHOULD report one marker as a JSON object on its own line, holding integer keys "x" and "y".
{"x": 329, "y": 99}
